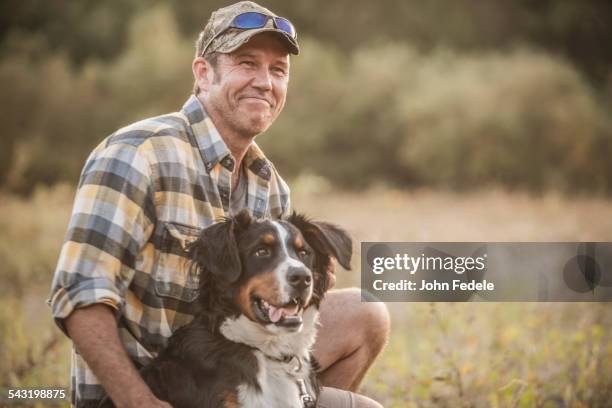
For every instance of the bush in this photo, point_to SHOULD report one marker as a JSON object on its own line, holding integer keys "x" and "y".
{"x": 519, "y": 120}
{"x": 392, "y": 114}
{"x": 58, "y": 114}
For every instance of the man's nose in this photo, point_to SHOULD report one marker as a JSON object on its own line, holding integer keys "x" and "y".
{"x": 299, "y": 278}
{"x": 263, "y": 79}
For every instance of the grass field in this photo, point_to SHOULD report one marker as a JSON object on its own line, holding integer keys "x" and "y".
{"x": 439, "y": 354}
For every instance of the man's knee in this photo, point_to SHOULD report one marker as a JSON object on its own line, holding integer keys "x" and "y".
{"x": 368, "y": 322}
{"x": 375, "y": 324}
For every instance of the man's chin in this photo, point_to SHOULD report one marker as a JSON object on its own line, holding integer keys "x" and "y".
{"x": 256, "y": 125}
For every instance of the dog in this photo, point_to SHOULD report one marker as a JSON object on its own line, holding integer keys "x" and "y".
{"x": 249, "y": 345}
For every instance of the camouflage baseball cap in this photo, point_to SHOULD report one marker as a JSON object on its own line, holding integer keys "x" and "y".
{"x": 219, "y": 36}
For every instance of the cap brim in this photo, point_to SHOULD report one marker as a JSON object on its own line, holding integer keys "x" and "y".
{"x": 243, "y": 37}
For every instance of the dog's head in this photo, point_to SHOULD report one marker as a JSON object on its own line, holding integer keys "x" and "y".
{"x": 268, "y": 270}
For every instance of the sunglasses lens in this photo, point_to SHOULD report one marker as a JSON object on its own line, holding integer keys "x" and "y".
{"x": 250, "y": 20}
{"x": 285, "y": 25}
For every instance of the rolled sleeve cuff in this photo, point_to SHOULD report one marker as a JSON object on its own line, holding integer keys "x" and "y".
{"x": 82, "y": 294}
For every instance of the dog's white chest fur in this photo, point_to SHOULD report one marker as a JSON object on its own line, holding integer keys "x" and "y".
{"x": 277, "y": 379}
{"x": 278, "y": 382}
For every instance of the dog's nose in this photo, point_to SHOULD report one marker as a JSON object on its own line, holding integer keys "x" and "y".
{"x": 299, "y": 278}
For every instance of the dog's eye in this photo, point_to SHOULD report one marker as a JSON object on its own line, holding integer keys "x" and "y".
{"x": 263, "y": 252}
{"x": 303, "y": 253}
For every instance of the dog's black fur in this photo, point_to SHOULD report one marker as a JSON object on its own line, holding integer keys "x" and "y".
{"x": 202, "y": 368}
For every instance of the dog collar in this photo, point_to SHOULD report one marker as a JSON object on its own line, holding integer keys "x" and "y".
{"x": 307, "y": 399}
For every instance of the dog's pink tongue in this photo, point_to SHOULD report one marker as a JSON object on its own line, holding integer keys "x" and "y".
{"x": 277, "y": 313}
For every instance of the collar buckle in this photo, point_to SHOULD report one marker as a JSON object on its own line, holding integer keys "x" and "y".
{"x": 305, "y": 397}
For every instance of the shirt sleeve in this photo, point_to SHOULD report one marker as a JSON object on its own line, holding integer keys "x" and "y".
{"x": 112, "y": 219}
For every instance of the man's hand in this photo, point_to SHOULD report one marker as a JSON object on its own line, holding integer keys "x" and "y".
{"x": 93, "y": 330}
{"x": 331, "y": 272}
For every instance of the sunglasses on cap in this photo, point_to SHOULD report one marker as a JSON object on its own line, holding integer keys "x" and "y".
{"x": 253, "y": 19}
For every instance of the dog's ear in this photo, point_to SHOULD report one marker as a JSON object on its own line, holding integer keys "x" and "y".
{"x": 325, "y": 238}
{"x": 243, "y": 219}
{"x": 216, "y": 250}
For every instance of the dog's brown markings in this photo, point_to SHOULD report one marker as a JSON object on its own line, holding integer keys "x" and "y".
{"x": 298, "y": 243}
{"x": 230, "y": 400}
{"x": 264, "y": 285}
{"x": 268, "y": 239}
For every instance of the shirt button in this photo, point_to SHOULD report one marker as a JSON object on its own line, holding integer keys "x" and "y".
{"x": 228, "y": 163}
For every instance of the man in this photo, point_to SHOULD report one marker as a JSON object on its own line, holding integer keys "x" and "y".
{"x": 122, "y": 285}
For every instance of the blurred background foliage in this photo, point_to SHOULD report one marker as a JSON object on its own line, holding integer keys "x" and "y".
{"x": 403, "y": 93}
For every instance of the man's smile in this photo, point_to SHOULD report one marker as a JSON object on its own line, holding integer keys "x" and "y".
{"x": 256, "y": 99}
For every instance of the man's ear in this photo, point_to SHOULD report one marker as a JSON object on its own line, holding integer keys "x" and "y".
{"x": 325, "y": 238}
{"x": 202, "y": 72}
{"x": 216, "y": 251}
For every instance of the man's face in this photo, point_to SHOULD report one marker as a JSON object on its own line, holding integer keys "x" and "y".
{"x": 249, "y": 86}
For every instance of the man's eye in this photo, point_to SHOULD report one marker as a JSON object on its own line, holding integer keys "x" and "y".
{"x": 249, "y": 64}
{"x": 279, "y": 71}
{"x": 262, "y": 252}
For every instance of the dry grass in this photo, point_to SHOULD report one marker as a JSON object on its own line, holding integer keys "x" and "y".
{"x": 482, "y": 354}
{"x": 442, "y": 355}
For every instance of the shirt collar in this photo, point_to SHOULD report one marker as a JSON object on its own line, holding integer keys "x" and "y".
{"x": 213, "y": 147}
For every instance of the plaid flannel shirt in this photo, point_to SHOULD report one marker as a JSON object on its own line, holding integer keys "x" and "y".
{"x": 145, "y": 192}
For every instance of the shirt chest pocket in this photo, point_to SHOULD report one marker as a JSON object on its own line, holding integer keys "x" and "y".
{"x": 174, "y": 275}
